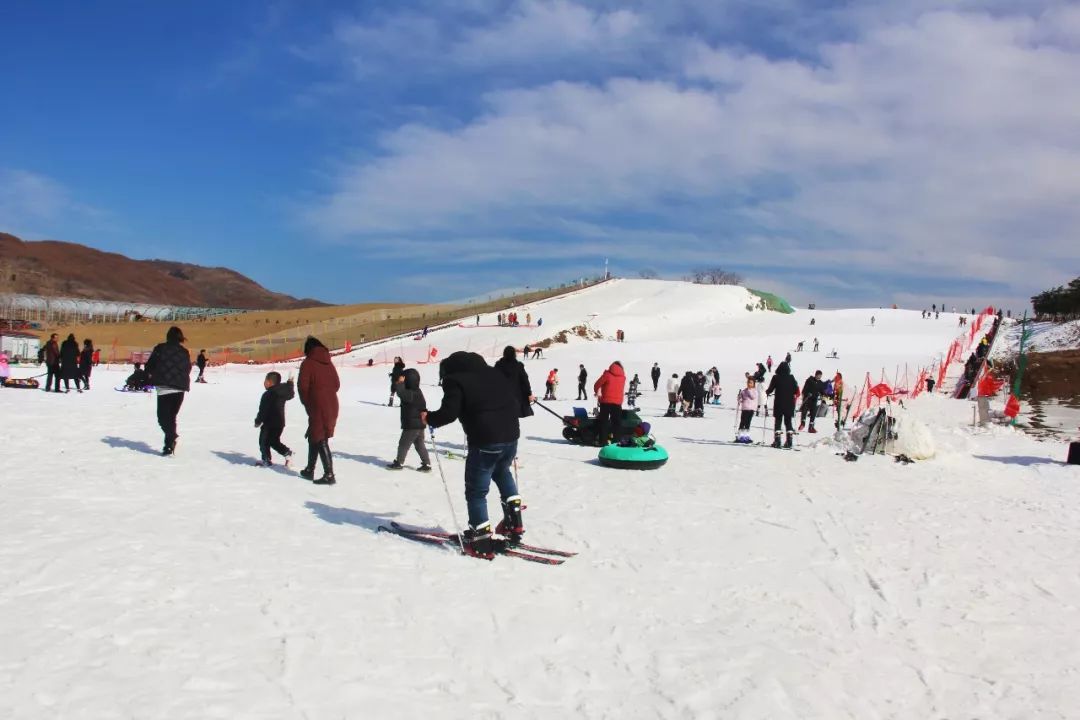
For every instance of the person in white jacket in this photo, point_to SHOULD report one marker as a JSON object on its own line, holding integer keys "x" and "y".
{"x": 672, "y": 394}
{"x": 748, "y": 403}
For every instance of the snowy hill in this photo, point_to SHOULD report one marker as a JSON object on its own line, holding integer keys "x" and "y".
{"x": 734, "y": 582}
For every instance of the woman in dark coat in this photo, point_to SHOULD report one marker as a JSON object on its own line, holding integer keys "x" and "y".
{"x": 786, "y": 388}
{"x": 86, "y": 363}
{"x": 514, "y": 371}
{"x": 69, "y": 362}
{"x": 398, "y": 371}
{"x": 318, "y": 386}
{"x": 169, "y": 370}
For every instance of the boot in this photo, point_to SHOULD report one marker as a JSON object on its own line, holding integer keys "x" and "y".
{"x": 391, "y": 403}
{"x": 812, "y": 429}
{"x": 394, "y": 465}
{"x": 511, "y": 526}
{"x": 327, "y": 464}
{"x": 787, "y": 442}
{"x": 477, "y": 541}
{"x": 776, "y": 439}
{"x": 308, "y": 473}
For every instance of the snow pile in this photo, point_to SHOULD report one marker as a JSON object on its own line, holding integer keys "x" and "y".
{"x": 1045, "y": 337}
{"x": 913, "y": 438}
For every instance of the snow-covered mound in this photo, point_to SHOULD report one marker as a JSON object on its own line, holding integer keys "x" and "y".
{"x": 736, "y": 581}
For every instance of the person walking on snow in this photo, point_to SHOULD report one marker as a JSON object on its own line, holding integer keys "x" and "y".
{"x": 169, "y": 370}
{"x": 399, "y": 368}
{"x": 582, "y": 378}
{"x": 655, "y": 373}
{"x": 811, "y": 396}
{"x": 200, "y": 362}
{"x": 270, "y": 419}
{"x": 610, "y": 389}
{"x": 514, "y": 371}
{"x": 318, "y": 386}
{"x": 686, "y": 393}
{"x": 86, "y": 364}
{"x": 672, "y": 394}
{"x": 786, "y": 388}
{"x": 768, "y": 363}
{"x": 69, "y": 363}
{"x": 486, "y": 403}
{"x": 413, "y": 405}
{"x": 51, "y": 353}
{"x": 815, "y": 344}
{"x": 748, "y": 404}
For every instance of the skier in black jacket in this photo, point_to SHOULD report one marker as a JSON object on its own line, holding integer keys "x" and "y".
{"x": 686, "y": 392}
{"x": 399, "y": 368}
{"x": 169, "y": 370}
{"x": 413, "y": 406}
{"x": 271, "y": 417}
{"x": 487, "y": 405}
{"x": 655, "y": 376}
{"x": 786, "y": 388}
{"x": 86, "y": 364}
{"x": 811, "y": 396}
{"x": 514, "y": 371}
{"x": 200, "y": 362}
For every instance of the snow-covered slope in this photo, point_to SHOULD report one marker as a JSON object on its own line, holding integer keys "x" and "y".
{"x": 735, "y": 582}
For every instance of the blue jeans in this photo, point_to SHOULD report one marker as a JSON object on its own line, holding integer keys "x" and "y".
{"x": 482, "y": 465}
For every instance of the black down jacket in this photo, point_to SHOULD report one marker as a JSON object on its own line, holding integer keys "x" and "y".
{"x": 170, "y": 366}
{"x": 481, "y": 397}
{"x": 785, "y": 386}
{"x": 412, "y": 400}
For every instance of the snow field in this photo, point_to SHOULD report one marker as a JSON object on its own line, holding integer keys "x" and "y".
{"x": 733, "y": 582}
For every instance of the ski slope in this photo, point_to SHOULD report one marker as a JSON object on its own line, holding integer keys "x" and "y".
{"x": 734, "y": 582}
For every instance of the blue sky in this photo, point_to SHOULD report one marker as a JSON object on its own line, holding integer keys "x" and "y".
{"x": 908, "y": 151}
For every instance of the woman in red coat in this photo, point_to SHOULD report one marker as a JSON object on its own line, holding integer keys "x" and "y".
{"x": 609, "y": 391}
{"x": 318, "y": 385}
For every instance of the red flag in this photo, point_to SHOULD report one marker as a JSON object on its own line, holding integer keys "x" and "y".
{"x": 433, "y": 353}
{"x": 1012, "y": 406}
{"x": 989, "y": 385}
{"x": 881, "y": 390}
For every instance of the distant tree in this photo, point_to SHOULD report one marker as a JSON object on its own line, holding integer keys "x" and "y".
{"x": 714, "y": 276}
{"x": 1059, "y": 302}
{"x": 648, "y": 274}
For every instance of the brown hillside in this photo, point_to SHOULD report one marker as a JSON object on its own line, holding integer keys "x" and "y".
{"x": 64, "y": 269}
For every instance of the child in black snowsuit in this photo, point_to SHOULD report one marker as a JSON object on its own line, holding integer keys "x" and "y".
{"x": 412, "y": 425}
{"x": 137, "y": 380}
{"x": 271, "y": 417}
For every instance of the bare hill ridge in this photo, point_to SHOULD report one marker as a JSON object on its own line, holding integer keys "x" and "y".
{"x": 55, "y": 268}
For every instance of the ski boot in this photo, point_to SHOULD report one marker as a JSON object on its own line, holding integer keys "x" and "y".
{"x": 776, "y": 440}
{"x": 812, "y": 429}
{"x": 327, "y": 465}
{"x": 477, "y": 541}
{"x": 788, "y": 441}
{"x": 424, "y": 468}
{"x": 511, "y": 526}
{"x": 394, "y": 465}
{"x": 265, "y": 461}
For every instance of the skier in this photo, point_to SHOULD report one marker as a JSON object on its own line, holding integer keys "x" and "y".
{"x": 715, "y": 390}
{"x": 271, "y": 417}
{"x": 786, "y": 388}
{"x": 537, "y": 352}
{"x": 768, "y": 363}
{"x": 815, "y": 344}
{"x": 169, "y": 370}
{"x": 872, "y": 320}
{"x": 525, "y": 352}
{"x": 412, "y": 427}
{"x": 551, "y": 384}
{"x": 747, "y": 403}
{"x": 686, "y": 392}
{"x": 69, "y": 363}
{"x": 399, "y": 368}
{"x": 200, "y": 362}
{"x": 51, "y": 355}
{"x": 700, "y": 391}
{"x": 514, "y": 371}
{"x": 609, "y": 391}
{"x": 672, "y": 395}
{"x": 582, "y": 377}
{"x": 811, "y": 395}
{"x": 487, "y": 405}
{"x": 318, "y": 386}
{"x": 86, "y": 364}
{"x": 632, "y": 392}
{"x": 137, "y": 380}
{"x": 787, "y": 359}
{"x": 798, "y": 348}
{"x": 759, "y": 375}
{"x": 930, "y": 382}
{"x": 655, "y": 376}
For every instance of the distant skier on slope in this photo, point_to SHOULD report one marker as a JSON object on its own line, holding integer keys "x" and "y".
{"x": 655, "y": 373}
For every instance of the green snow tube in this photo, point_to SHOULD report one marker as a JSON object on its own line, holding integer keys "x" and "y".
{"x": 633, "y": 457}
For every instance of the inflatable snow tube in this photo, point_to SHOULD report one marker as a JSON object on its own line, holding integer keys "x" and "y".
{"x": 634, "y": 457}
{"x": 21, "y": 383}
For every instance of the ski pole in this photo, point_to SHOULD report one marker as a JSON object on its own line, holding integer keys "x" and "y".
{"x": 446, "y": 488}
{"x": 537, "y": 402}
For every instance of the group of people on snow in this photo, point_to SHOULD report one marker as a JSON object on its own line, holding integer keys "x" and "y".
{"x": 66, "y": 361}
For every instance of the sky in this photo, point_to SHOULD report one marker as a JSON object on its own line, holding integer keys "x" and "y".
{"x": 841, "y": 153}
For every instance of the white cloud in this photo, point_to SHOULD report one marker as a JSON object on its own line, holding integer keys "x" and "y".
{"x": 945, "y": 144}
{"x": 35, "y": 205}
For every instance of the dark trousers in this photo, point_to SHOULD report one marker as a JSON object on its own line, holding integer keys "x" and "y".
{"x": 168, "y": 407}
{"x": 270, "y": 439}
{"x": 413, "y": 438}
{"x": 84, "y": 375}
{"x": 581, "y": 394}
{"x": 786, "y": 417}
{"x": 809, "y": 408}
{"x": 483, "y": 465}
{"x": 202, "y": 369}
{"x": 52, "y": 373}
{"x": 608, "y": 420}
{"x": 655, "y": 383}
{"x": 744, "y": 419}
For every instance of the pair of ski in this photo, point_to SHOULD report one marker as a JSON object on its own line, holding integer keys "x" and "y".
{"x": 434, "y": 536}
{"x": 756, "y": 444}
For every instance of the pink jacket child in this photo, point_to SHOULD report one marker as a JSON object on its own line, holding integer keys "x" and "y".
{"x": 5, "y": 371}
{"x": 748, "y": 403}
{"x": 748, "y": 398}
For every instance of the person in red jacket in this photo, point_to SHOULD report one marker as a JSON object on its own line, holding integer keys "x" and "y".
{"x": 318, "y": 386}
{"x": 609, "y": 393}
